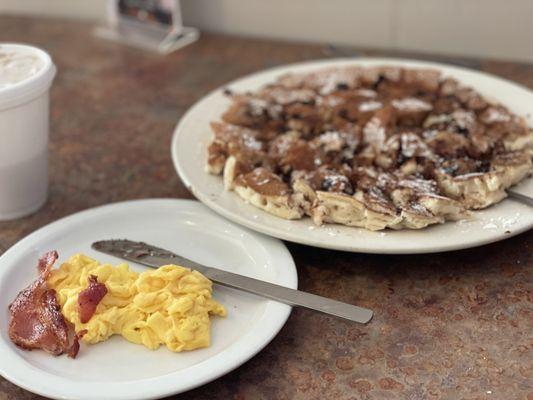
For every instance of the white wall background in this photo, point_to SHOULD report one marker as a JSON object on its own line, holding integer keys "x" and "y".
{"x": 477, "y": 28}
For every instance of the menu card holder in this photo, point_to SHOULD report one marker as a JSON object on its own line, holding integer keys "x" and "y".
{"x": 153, "y": 25}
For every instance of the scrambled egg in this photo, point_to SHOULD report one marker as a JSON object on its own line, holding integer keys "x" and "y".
{"x": 170, "y": 305}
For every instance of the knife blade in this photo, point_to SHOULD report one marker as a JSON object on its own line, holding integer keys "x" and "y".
{"x": 520, "y": 197}
{"x": 152, "y": 256}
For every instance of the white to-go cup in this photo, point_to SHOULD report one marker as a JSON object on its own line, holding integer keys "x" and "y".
{"x": 26, "y": 74}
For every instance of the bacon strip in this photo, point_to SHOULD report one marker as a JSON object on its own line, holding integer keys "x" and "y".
{"x": 73, "y": 351}
{"x": 89, "y": 298}
{"x": 36, "y": 321}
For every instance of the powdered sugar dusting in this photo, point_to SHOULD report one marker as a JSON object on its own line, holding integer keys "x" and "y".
{"x": 411, "y": 104}
{"x": 370, "y": 106}
{"x": 374, "y": 133}
{"x": 493, "y": 115}
{"x": 480, "y": 221}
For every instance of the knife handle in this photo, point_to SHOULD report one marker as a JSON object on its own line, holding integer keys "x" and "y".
{"x": 291, "y": 297}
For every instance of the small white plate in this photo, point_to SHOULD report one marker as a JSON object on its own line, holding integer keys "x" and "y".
{"x": 193, "y": 134}
{"x": 117, "y": 369}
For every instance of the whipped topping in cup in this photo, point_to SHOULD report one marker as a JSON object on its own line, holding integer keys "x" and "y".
{"x": 17, "y": 65}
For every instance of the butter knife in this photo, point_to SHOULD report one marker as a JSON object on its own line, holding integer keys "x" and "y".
{"x": 152, "y": 256}
{"x": 520, "y": 197}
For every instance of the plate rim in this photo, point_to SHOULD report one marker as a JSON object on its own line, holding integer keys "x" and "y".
{"x": 14, "y": 368}
{"x": 279, "y": 233}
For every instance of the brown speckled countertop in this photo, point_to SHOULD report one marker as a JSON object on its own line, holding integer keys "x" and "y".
{"x": 446, "y": 326}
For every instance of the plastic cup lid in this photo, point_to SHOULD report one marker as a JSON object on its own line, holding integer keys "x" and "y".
{"x": 29, "y": 86}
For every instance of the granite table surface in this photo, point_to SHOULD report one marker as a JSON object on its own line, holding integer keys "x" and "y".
{"x": 456, "y": 325}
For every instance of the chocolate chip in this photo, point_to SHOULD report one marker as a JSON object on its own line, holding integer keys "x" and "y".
{"x": 483, "y": 166}
{"x": 343, "y": 113}
{"x": 337, "y": 183}
{"x": 451, "y": 169}
{"x": 462, "y": 130}
{"x": 376, "y": 84}
{"x": 401, "y": 158}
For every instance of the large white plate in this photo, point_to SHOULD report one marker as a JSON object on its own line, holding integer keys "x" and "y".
{"x": 192, "y": 135}
{"x": 117, "y": 369}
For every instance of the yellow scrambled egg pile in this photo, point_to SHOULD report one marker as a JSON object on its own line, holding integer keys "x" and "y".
{"x": 169, "y": 305}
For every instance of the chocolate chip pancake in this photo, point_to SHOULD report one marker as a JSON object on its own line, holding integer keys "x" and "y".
{"x": 380, "y": 147}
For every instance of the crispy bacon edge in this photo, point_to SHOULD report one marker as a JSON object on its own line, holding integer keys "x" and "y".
{"x": 89, "y": 298}
{"x": 36, "y": 321}
{"x": 75, "y": 348}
